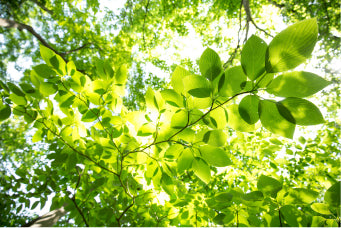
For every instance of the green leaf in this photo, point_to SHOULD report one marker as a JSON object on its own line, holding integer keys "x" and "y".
{"x": 4, "y": 86}
{"x": 292, "y": 46}
{"x": 219, "y": 117}
{"x": 253, "y": 57}
{"x": 44, "y": 71}
{"x": 46, "y": 53}
{"x": 90, "y": 115}
{"x": 304, "y": 196}
{"x": 201, "y": 170}
{"x": 223, "y": 196}
{"x": 53, "y": 60}
{"x": 210, "y": 64}
{"x": 304, "y": 112}
{"x": 15, "y": 89}
{"x": 268, "y": 185}
{"x": 200, "y": 92}
{"x": 27, "y": 88}
{"x": 236, "y": 122}
{"x": 177, "y": 76}
{"x": 215, "y": 156}
{"x": 231, "y": 81}
{"x": 5, "y": 112}
{"x": 171, "y": 97}
{"x": 19, "y": 100}
{"x": 332, "y": 195}
{"x": 272, "y": 120}
{"x": 179, "y": 119}
{"x": 193, "y": 82}
{"x": 34, "y": 205}
{"x": 121, "y": 75}
{"x": 215, "y": 138}
{"x": 296, "y": 84}
{"x": 185, "y": 161}
{"x": 254, "y": 196}
{"x": 321, "y": 208}
{"x": 248, "y": 109}
{"x": 293, "y": 216}
{"x": 47, "y": 88}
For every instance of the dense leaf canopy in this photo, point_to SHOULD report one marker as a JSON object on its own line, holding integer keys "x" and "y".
{"x": 116, "y": 119}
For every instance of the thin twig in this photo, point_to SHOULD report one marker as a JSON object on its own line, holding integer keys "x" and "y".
{"x": 144, "y": 24}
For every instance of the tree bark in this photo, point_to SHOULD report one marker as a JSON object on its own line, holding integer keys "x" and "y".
{"x": 48, "y": 219}
{"x": 7, "y": 23}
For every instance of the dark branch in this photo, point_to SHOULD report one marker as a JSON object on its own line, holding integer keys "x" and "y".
{"x": 233, "y": 55}
{"x": 246, "y": 5}
{"x": 42, "y": 6}
{"x": 6, "y": 23}
{"x": 144, "y": 24}
{"x": 76, "y": 49}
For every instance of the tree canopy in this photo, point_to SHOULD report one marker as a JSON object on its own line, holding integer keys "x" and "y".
{"x": 112, "y": 123}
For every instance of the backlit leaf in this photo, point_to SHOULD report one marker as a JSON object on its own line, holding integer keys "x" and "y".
{"x": 332, "y": 195}
{"x": 185, "y": 161}
{"x": 177, "y": 76}
{"x": 272, "y": 120}
{"x": 210, "y": 64}
{"x": 268, "y": 185}
{"x": 215, "y": 156}
{"x": 253, "y": 57}
{"x": 304, "y": 112}
{"x": 292, "y": 46}
{"x": 296, "y": 84}
{"x": 236, "y": 122}
{"x": 248, "y": 109}
{"x": 231, "y": 81}
{"x": 321, "y": 208}
{"x": 90, "y": 115}
{"x": 171, "y": 97}
{"x": 202, "y": 170}
{"x": 215, "y": 138}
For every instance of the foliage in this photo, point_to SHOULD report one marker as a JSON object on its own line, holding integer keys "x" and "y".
{"x": 110, "y": 164}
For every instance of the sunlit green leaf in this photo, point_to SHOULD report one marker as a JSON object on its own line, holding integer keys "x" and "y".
{"x": 215, "y": 156}
{"x": 19, "y": 100}
{"x": 253, "y": 57}
{"x": 231, "y": 81}
{"x": 293, "y": 216}
{"x": 272, "y": 120}
{"x": 321, "y": 208}
{"x": 172, "y": 97}
{"x": 210, "y": 64}
{"x": 296, "y": 84}
{"x": 121, "y": 74}
{"x": 236, "y": 122}
{"x": 332, "y": 195}
{"x": 292, "y": 46}
{"x": 215, "y": 138}
{"x": 304, "y": 112}
{"x": 90, "y": 115}
{"x": 177, "y": 76}
{"x": 180, "y": 119}
{"x": 268, "y": 185}
{"x": 185, "y": 161}
{"x": 248, "y": 109}
{"x": 202, "y": 170}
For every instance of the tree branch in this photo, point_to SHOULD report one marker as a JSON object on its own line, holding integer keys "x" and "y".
{"x": 42, "y": 6}
{"x": 246, "y": 5}
{"x": 6, "y": 23}
{"x": 233, "y": 55}
{"x": 144, "y": 24}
